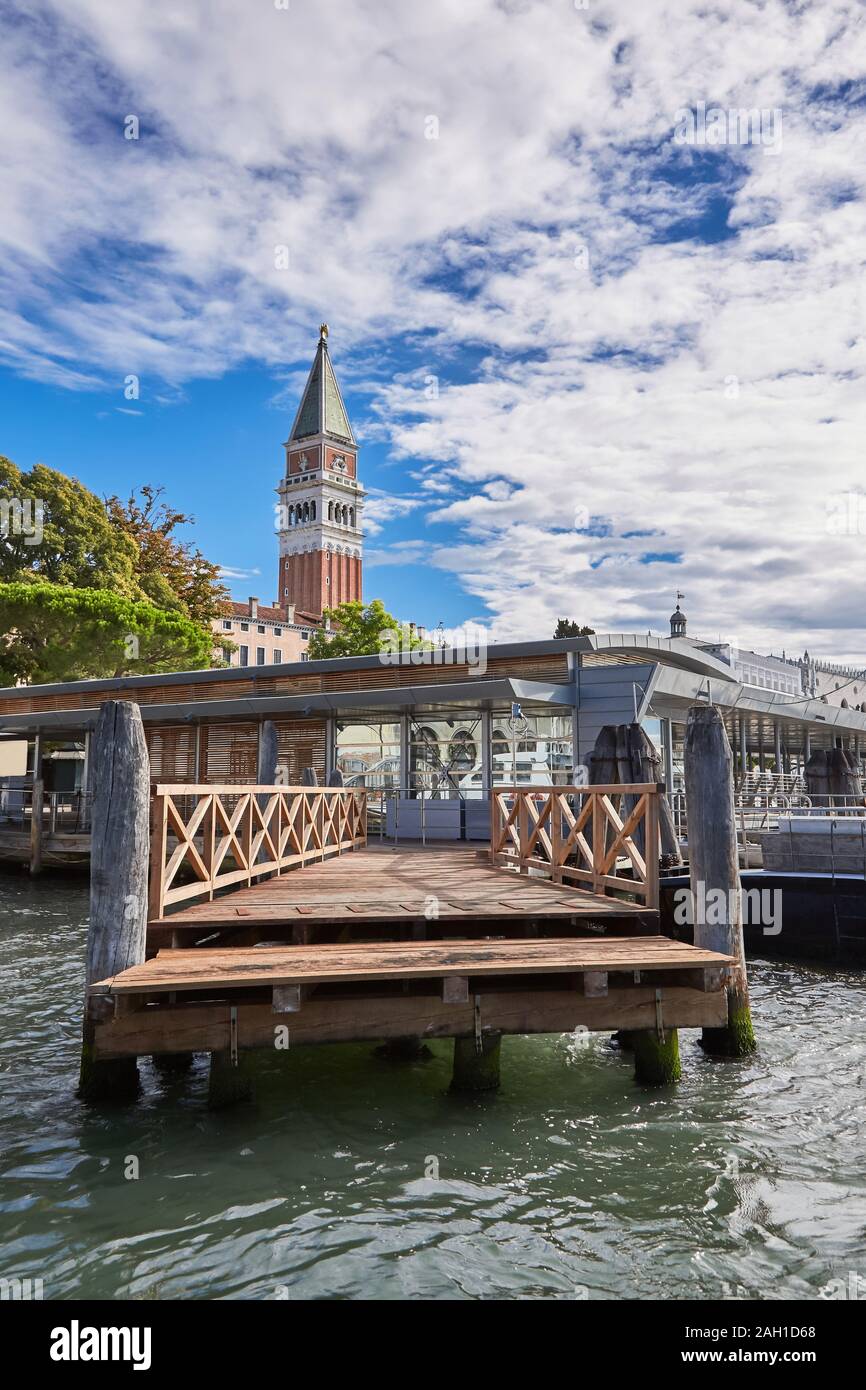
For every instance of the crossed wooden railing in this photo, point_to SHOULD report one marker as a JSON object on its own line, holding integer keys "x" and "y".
{"x": 577, "y": 835}
{"x": 233, "y": 835}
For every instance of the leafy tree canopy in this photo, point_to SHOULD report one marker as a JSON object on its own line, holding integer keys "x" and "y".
{"x": 173, "y": 573}
{"x": 52, "y": 528}
{"x": 566, "y": 627}
{"x": 57, "y": 633}
{"x": 359, "y": 629}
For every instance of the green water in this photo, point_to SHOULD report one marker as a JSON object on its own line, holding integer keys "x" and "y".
{"x": 748, "y": 1180}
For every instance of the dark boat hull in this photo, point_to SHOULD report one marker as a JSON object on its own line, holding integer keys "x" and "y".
{"x": 823, "y": 917}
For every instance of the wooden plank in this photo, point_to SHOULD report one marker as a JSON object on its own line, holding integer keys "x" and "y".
{"x": 205, "y": 1027}
{"x": 242, "y": 967}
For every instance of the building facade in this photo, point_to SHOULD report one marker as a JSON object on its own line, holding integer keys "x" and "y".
{"x": 257, "y": 634}
{"x": 440, "y": 726}
{"x": 319, "y": 532}
{"x": 321, "y": 499}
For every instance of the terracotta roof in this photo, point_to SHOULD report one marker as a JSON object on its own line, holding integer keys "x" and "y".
{"x": 266, "y": 613}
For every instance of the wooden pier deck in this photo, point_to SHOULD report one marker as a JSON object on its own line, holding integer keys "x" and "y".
{"x": 440, "y": 888}
{"x": 386, "y": 941}
{"x": 271, "y": 919}
{"x": 227, "y": 998}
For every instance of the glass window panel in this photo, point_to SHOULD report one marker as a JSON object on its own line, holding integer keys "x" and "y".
{"x": 368, "y": 754}
{"x": 536, "y": 750}
{"x": 445, "y": 753}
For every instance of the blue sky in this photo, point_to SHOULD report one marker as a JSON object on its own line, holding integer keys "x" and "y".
{"x": 217, "y": 450}
{"x": 589, "y": 363}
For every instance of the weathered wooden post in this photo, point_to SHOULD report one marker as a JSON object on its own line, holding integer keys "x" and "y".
{"x": 845, "y": 785}
{"x": 714, "y": 870}
{"x": 817, "y": 774}
{"x": 476, "y": 1063}
{"x": 602, "y": 773}
{"x": 119, "y": 861}
{"x": 37, "y": 802}
{"x": 268, "y": 756}
{"x": 638, "y": 760}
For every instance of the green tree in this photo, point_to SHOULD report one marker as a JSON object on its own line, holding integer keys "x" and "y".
{"x": 173, "y": 573}
{"x": 53, "y": 632}
{"x": 566, "y": 627}
{"x": 67, "y": 536}
{"x": 360, "y": 629}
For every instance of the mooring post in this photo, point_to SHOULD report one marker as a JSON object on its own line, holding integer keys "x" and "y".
{"x": 817, "y": 774}
{"x": 119, "y": 861}
{"x": 476, "y": 1062}
{"x": 845, "y": 785}
{"x": 230, "y": 1081}
{"x": 37, "y": 802}
{"x": 268, "y": 757}
{"x": 656, "y": 1056}
{"x": 714, "y": 870}
{"x": 267, "y": 770}
{"x": 642, "y": 763}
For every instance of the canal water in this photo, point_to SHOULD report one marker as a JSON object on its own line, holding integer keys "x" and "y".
{"x": 353, "y": 1178}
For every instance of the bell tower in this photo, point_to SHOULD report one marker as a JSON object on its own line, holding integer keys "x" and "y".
{"x": 321, "y": 540}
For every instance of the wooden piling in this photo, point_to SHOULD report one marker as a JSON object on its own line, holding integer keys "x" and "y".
{"x": 626, "y": 753}
{"x": 817, "y": 774}
{"x": 656, "y": 1057}
{"x": 119, "y": 860}
{"x": 230, "y": 1081}
{"x": 642, "y": 763}
{"x": 36, "y": 805}
{"x": 714, "y": 870}
{"x": 476, "y": 1066}
{"x": 845, "y": 787}
{"x": 268, "y": 755}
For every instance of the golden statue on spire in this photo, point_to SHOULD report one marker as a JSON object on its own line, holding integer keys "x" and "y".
{"x": 323, "y": 332}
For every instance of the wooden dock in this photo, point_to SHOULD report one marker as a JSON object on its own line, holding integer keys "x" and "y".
{"x": 431, "y": 889}
{"x": 273, "y": 923}
{"x": 415, "y": 941}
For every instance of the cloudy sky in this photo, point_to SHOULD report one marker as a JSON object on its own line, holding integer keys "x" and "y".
{"x": 592, "y": 360}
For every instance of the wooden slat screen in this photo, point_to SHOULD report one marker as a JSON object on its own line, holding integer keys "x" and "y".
{"x": 172, "y": 754}
{"x": 229, "y": 753}
{"x": 300, "y": 744}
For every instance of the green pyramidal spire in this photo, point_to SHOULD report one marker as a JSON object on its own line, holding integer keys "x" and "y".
{"x": 322, "y": 410}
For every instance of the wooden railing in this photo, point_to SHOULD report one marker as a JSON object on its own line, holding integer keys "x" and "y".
{"x": 230, "y": 836}
{"x": 577, "y": 835}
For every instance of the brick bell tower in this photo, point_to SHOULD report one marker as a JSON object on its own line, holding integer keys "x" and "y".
{"x": 321, "y": 541}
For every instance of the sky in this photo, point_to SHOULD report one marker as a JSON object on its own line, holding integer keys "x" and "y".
{"x": 600, "y": 342}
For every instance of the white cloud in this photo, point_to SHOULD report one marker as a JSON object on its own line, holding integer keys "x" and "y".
{"x": 708, "y": 392}
{"x": 229, "y": 572}
{"x": 382, "y": 507}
